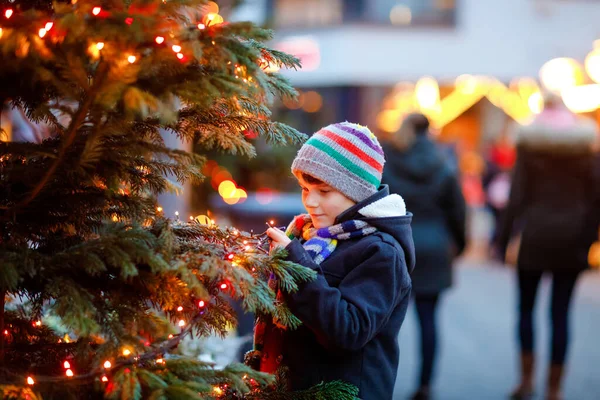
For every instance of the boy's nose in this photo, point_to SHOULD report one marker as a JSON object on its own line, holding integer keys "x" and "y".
{"x": 311, "y": 200}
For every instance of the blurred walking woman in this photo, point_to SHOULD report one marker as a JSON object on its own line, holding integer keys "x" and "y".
{"x": 551, "y": 206}
{"x": 418, "y": 170}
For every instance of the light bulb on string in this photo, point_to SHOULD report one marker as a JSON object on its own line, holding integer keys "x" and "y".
{"x": 159, "y": 361}
{"x": 107, "y": 364}
{"x": 8, "y": 13}
{"x": 179, "y": 308}
{"x": 30, "y": 380}
{"x": 201, "y": 26}
{"x": 42, "y": 32}
{"x": 231, "y": 256}
{"x": 176, "y": 48}
{"x": 181, "y": 323}
{"x": 100, "y": 45}
{"x": 126, "y": 352}
{"x": 48, "y": 26}
{"x": 201, "y": 304}
{"x": 66, "y": 365}
{"x": 180, "y": 56}
{"x": 104, "y": 379}
{"x": 223, "y": 286}
{"x": 170, "y": 336}
{"x": 69, "y": 373}
{"x": 131, "y": 59}
{"x": 159, "y": 39}
{"x": 96, "y": 10}
{"x": 159, "y": 209}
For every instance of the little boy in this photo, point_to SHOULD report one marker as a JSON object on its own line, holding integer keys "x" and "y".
{"x": 357, "y": 237}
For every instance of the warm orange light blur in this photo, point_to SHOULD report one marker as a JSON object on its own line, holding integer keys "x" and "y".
{"x": 592, "y": 65}
{"x": 212, "y": 19}
{"x": 561, "y": 73}
{"x": 584, "y": 98}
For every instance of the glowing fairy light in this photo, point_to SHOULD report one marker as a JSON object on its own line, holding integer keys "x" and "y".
{"x": 96, "y": 10}
{"x": 108, "y": 364}
{"x": 30, "y": 380}
{"x": 66, "y": 365}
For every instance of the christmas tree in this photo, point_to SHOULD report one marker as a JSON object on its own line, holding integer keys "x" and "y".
{"x": 97, "y": 286}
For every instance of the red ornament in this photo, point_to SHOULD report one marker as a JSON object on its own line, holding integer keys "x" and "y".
{"x": 129, "y": 20}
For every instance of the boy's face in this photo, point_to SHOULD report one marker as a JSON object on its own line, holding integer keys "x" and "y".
{"x": 323, "y": 203}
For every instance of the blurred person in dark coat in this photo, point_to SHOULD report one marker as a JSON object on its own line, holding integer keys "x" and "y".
{"x": 551, "y": 204}
{"x": 418, "y": 169}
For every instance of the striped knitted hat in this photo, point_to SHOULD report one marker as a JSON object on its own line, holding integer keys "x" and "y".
{"x": 346, "y": 156}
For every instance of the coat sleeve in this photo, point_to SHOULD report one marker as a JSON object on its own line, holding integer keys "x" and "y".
{"x": 516, "y": 203}
{"x": 348, "y": 316}
{"x": 455, "y": 208}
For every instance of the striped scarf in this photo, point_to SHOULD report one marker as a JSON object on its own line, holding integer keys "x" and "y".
{"x": 320, "y": 243}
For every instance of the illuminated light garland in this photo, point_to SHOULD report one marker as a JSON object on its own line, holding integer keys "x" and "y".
{"x": 96, "y": 10}
{"x": 172, "y": 342}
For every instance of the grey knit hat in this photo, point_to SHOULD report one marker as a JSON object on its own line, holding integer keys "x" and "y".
{"x": 346, "y": 156}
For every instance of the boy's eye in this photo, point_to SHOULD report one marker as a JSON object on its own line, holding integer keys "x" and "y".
{"x": 324, "y": 190}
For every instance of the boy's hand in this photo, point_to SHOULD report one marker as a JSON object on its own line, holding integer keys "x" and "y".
{"x": 278, "y": 238}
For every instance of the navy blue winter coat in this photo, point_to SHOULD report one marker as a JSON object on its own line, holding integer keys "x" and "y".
{"x": 353, "y": 311}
